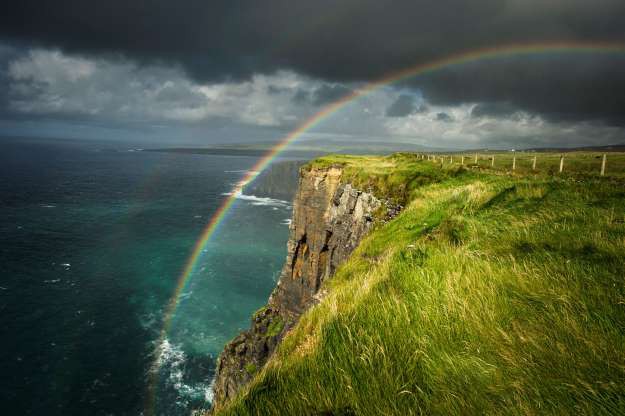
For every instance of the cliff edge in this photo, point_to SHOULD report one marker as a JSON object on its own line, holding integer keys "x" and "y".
{"x": 329, "y": 220}
{"x": 490, "y": 293}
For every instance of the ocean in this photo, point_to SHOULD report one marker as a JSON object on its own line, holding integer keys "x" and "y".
{"x": 93, "y": 238}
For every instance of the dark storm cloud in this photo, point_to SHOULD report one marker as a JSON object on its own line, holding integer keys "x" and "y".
{"x": 402, "y": 107}
{"x": 494, "y": 109}
{"x": 327, "y": 93}
{"x": 444, "y": 117}
{"x": 561, "y": 88}
{"x": 405, "y": 105}
{"x": 301, "y": 97}
{"x": 180, "y": 95}
{"x": 353, "y": 40}
{"x": 6, "y": 54}
{"x": 272, "y": 89}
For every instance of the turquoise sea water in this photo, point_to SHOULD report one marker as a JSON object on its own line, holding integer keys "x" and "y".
{"x": 93, "y": 238}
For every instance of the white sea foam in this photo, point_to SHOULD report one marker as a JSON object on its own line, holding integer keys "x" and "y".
{"x": 263, "y": 201}
{"x": 209, "y": 394}
{"x": 52, "y": 281}
{"x": 3, "y": 288}
{"x": 175, "y": 358}
{"x": 256, "y": 200}
{"x": 48, "y": 206}
{"x": 147, "y": 320}
{"x": 286, "y": 221}
{"x": 237, "y": 188}
{"x": 185, "y": 295}
{"x": 171, "y": 360}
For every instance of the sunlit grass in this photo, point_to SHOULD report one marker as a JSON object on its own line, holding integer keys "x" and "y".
{"x": 489, "y": 294}
{"x": 574, "y": 163}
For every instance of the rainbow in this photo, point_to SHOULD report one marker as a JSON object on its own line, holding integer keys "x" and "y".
{"x": 316, "y": 119}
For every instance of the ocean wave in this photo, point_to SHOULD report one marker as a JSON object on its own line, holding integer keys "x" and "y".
{"x": 185, "y": 295}
{"x": 263, "y": 201}
{"x": 48, "y": 206}
{"x": 171, "y": 363}
{"x": 173, "y": 357}
{"x": 237, "y": 188}
{"x": 209, "y": 393}
{"x": 286, "y": 221}
{"x": 148, "y": 320}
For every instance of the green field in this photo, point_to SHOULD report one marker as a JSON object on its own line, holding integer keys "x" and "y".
{"x": 574, "y": 163}
{"x": 491, "y": 293}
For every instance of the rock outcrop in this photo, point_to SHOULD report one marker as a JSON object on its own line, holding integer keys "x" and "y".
{"x": 329, "y": 220}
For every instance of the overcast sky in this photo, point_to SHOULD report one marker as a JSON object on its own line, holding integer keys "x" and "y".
{"x": 198, "y": 71}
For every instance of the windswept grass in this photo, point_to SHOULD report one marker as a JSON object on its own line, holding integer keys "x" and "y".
{"x": 489, "y": 294}
{"x": 576, "y": 163}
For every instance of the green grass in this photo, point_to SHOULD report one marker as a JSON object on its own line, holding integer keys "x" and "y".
{"x": 275, "y": 327}
{"x": 575, "y": 163}
{"x": 489, "y": 294}
{"x": 250, "y": 368}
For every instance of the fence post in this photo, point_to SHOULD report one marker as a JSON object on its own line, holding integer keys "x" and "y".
{"x": 451, "y": 159}
{"x": 476, "y": 158}
{"x": 534, "y": 163}
{"x": 513, "y": 162}
{"x": 561, "y": 163}
{"x": 461, "y": 160}
{"x": 603, "y": 165}
{"x": 492, "y": 162}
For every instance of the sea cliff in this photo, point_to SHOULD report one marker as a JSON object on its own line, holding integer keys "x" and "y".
{"x": 278, "y": 181}
{"x": 490, "y": 293}
{"x": 329, "y": 220}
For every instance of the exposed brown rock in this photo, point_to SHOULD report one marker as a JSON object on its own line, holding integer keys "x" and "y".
{"x": 329, "y": 220}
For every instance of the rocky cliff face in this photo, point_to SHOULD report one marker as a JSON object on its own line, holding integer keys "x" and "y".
{"x": 279, "y": 181}
{"x": 329, "y": 220}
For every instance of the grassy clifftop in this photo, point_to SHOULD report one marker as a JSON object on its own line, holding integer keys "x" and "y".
{"x": 488, "y": 294}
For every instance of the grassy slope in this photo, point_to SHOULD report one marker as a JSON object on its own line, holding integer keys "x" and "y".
{"x": 488, "y": 294}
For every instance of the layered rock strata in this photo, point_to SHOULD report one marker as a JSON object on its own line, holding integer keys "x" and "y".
{"x": 329, "y": 220}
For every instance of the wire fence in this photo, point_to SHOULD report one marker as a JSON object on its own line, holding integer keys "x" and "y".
{"x": 589, "y": 163}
